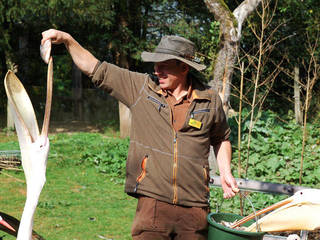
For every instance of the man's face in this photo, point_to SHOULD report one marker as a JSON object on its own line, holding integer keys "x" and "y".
{"x": 170, "y": 73}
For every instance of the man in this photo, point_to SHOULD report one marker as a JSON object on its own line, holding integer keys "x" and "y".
{"x": 175, "y": 119}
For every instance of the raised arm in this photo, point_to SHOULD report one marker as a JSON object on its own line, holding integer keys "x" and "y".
{"x": 84, "y": 60}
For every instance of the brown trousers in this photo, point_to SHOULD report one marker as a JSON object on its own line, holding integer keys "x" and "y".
{"x": 159, "y": 220}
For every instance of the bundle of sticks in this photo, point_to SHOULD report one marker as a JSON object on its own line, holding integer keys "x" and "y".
{"x": 10, "y": 160}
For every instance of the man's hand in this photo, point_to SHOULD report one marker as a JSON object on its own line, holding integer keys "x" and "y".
{"x": 56, "y": 36}
{"x": 229, "y": 186}
{"x": 84, "y": 60}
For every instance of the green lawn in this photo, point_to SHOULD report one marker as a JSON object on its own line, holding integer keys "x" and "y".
{"x": 77, "y": 201}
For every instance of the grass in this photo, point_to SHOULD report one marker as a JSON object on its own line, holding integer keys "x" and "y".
{"x": 77, "y": 201}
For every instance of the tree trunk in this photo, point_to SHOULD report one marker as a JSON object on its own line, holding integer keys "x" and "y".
{"x": 122, "y": 61}
{"x": 225, "y": 60}
{"x": 125, "y": 120}
{"x": 297, "y": 102}
{"x": 230, "y": 32}
{"x": 10, "y": 122}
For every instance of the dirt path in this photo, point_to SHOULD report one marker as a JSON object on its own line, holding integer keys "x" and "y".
{"x": 74, "y": 126}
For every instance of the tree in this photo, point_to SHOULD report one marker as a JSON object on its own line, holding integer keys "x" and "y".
{"x": 97, "y": 26}
{"x": 230, "y": 30}
{"x": 301, "y": 23}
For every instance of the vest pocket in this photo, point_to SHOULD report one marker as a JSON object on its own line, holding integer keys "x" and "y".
{"x": 156, "y": 101}
{"x": 143, "y": 172}
{"x": 206, "y": 110}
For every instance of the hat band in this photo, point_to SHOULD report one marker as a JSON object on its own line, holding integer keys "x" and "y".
{"x": 168, "y": 51}
{"x": 178, "y": 54}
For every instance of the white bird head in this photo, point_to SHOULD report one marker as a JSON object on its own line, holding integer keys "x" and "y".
{"x": 301, "y": 212}
{"x": 34, "y": 146}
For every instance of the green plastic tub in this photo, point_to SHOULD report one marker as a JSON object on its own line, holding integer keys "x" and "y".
{"x": 220, "y": 232}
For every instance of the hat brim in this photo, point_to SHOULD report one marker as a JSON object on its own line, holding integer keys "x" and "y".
{"x": 161, "y": 57}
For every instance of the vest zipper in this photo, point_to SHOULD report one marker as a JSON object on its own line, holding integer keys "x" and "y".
{"x": 175, "y": 162}
{"x": 175, "y": 168}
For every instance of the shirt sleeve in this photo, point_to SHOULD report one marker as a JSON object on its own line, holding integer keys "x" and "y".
{"x": 220, "y": 130}
{"x": 124, "y": 85}
{"x": 95, "y": 69}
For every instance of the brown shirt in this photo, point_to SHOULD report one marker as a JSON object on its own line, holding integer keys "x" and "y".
{"x": 179, "y": 108}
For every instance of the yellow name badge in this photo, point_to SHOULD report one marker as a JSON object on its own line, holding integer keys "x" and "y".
{"x": 195, "y": 123}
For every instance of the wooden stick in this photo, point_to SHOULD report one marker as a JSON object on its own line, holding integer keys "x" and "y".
{"x": 262, "y": 211}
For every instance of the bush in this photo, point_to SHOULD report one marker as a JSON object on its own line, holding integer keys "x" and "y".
{"x": 109, "y": 156}
{"x": 275, "y": 155}
{"x": 275, "y": 150}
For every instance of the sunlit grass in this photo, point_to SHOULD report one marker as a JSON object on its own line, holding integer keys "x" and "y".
{"x": 77, "y": 202}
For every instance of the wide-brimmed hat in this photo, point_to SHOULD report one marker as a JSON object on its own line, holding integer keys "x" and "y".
{"x": 174, "y": 47}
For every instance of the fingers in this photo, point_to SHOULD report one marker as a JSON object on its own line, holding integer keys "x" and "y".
{"x": 230, "y": 187}
{"x": 228, "y": 194}
{"x": 228, "y": 191}
{"x": 234, "y": 186}
{"x": 45, "y": 36}
{"x": 54, "y": 35}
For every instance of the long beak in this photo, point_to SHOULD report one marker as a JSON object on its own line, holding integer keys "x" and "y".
{"x": 4, "y": 223}
{"x": 262, "y": 211}
{"x": 22, "y": 109}
{"x": 46, "y": 120}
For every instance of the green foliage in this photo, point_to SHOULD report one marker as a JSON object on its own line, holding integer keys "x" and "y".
{"x": 10, "y": 145}
{"x": 107, "y": 154}
{"x": 275, "y": 154}
{"x": 275, "y": 150}
{"x": 108, "y": 157}
{"x": 53, "y": 204}
{"x": 62, "y": 80}
{"x": 109, "y": 28}
{"x": 211, "y": 47}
